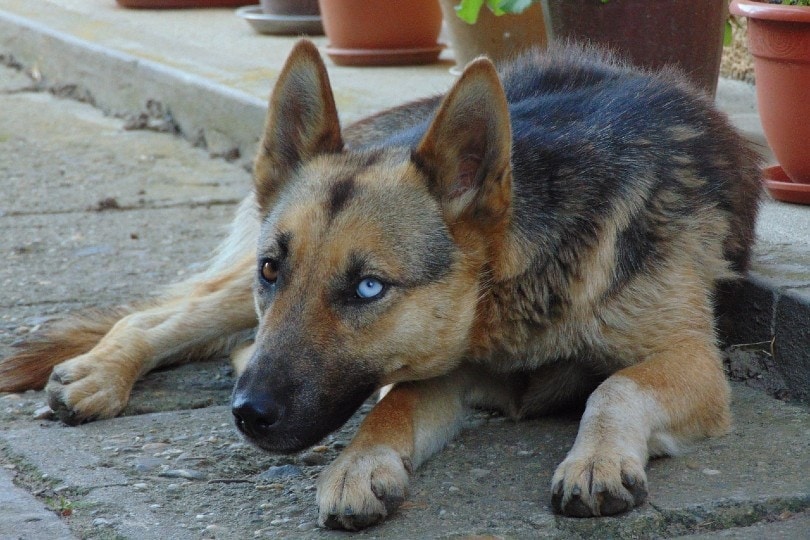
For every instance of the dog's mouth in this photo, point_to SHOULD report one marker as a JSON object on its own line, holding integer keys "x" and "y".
{"x": 292, "y": 426}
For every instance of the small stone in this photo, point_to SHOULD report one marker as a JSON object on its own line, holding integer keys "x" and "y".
{"x": 189, "y": 474}
{"x": 200, "y": 517}
{"x": 453, "y": 489}
{"x": 321, "y": 448}
{"x": 313, "y": 458}
{"x": 307, "y": 526}
{"x": 710, "y": 472}
{"x": 279, "y": 472}
{"x": 169, "y": 452}
{"x": 212, "y": 529}
{"x": 140, "y": 486}
{"x": 280, "y": 521}
{"x": 147, "y": 464}
{"x": 266, "y": 487}
{"x": 478, "y": 474}
{"x": 173, "y": 487}
{"x": 43, "y": 413}
{"x": 101, "y": 522}
{"x": 61, "y": 489}
{"x": 154, "y": 447}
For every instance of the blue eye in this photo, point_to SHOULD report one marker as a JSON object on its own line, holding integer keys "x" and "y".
{"x": 369, "y": 288}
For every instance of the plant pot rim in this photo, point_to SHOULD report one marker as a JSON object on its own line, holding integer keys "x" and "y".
{"x": 782, "y": 188}
{"x": 770, "y": 12}
{"x": 383, "y": 56}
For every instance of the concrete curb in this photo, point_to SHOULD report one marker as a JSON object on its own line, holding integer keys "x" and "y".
{"x": 24, "y": 516}
{"x": 775, "y": 324}
{"x": 207, "y": 114}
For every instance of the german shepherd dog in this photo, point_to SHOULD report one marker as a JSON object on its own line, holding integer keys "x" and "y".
{"x": 540, "y": 236}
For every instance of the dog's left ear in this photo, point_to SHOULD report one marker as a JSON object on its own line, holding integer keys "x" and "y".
{"x": 302, "y": 122}
{"x": 466, "y": 151}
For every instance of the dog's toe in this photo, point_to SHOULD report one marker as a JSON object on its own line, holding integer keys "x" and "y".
{"x": 62, "y": 411}
{"x": 361, "y": 488}
{"x": 598, "y": 486}
{"x": 83, "y": 389}
{"x": 351, "y": 521}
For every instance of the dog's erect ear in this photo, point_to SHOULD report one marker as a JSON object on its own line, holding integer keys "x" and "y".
{"x": 467, "y": 149}
{"x": 302, "y": 122}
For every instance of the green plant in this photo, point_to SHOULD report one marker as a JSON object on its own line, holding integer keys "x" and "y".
{"x": 468, "y": 10}
{"x": 62, "y": 506}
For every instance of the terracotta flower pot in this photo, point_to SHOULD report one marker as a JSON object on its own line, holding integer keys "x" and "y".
{"x": 290, "y": 7}
{"x": 779, "y": 41}
{"x": 381, "y": 33}
{"x": 181, "y": 4}
{"x": 686, "y": 33}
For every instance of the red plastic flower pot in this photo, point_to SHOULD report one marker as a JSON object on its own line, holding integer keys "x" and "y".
{"x": 779, "y": 41}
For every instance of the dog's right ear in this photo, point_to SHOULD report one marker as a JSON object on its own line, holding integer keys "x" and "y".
{"x": 302, "y": 122}
{"x": 467, "y": 150}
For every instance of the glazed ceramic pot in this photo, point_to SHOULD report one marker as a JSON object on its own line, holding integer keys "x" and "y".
{"x": 382, "y": 33}
{"x": 779, "y": 41}
{"x": 497, "y": 37}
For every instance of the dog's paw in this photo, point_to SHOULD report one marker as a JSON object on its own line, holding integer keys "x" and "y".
{"x": 84, "y": 389}
{"x": 600, "y": 484}
{"x": 362, "y": 488}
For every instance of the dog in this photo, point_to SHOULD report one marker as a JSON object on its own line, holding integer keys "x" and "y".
{"x": 542, "y": 237}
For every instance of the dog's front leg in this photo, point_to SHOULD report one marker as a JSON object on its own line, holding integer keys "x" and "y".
{"x": 196, "y": 316}
{"x": 676, "y": 395}
{"x": 369, "y": 480}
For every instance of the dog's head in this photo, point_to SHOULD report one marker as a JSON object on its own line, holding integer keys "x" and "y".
{"x": 370, "y": 262}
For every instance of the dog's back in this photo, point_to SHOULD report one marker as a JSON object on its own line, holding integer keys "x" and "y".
{"x": 595, "y": 139}
{"x": 621, "y": 178}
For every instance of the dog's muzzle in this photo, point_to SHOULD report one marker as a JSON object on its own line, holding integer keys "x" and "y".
{"x": 278, "y": 423}
{"x": 256, "y": 418}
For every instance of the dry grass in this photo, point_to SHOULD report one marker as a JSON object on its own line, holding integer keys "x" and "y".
{"x": 737, "y": 62}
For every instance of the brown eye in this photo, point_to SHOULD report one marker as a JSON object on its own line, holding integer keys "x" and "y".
{"x": 269, "y": 271}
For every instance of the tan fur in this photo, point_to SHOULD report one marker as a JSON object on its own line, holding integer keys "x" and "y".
{"x": 64, "y": 340}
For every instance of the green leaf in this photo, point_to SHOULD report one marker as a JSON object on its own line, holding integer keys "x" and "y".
{"x": 468, "y": 10}
{"x": 495, "y": 7}
{"x": 728, "y": 34}
{"x": 516, "y": 6}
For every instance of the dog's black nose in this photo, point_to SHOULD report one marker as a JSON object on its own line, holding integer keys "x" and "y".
{"x": 255, "y": 416}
